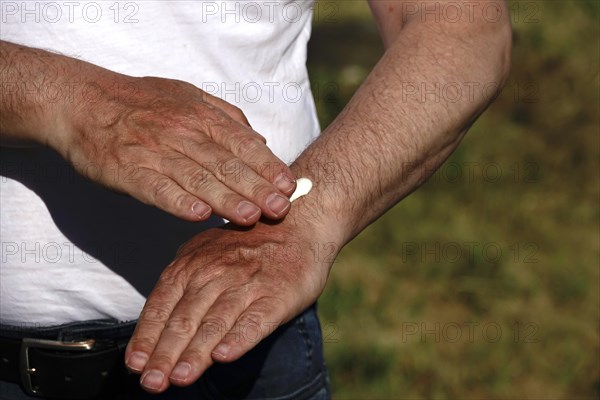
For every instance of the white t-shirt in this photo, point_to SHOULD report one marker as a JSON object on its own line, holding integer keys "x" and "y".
{"x": 73, "y": 251}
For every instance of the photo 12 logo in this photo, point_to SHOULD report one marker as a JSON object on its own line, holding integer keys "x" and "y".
{"x": 471, "y": 251}
{"x": 468, "y": 332}
{"x": 47, "y": 253}
{"x": 254, "y": 92}
{"x": 527, "y": 12}
{"x": 253, "y": 11}
{"x": 69, "y": 11}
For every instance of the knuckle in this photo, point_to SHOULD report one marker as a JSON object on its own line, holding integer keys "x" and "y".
{"x": 247, "y": 145}
{"x": 215, "y": 323}
{"x": 270, "y": 168}
{"x": 249, "y": 329}
{"x": 181, "y": 325}
{"x": 253, "y": 258}
{"x": 277, "y": 167}
{"x": 198, "y": 180}
{"x": 143, "y": 342}
{"x": 230, "y": 170}
{"x": 161, "y": 187}
{"x": 205, "y": 147}
{"x": 182, "y": 85}
{"x": 184, "y": 252}
{"x": 252, "y": 319}
{"x": 235, "y": 110}
{"x": 213, "y": 118}
{"x": 260, "y": 192}
{"x": 173, "y": 278}
{"x": 210, "y": 191}
{"x": 154, "y": 314}
{"x": 166, "y": 280}
{"x": 249, "y": 174}
{"x": 205, "y": 103}
{"x": 240, "y": 114}
{"x": 182, "y": 200}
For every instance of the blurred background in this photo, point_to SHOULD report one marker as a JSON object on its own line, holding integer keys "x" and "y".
{"x": 484, "y": 284}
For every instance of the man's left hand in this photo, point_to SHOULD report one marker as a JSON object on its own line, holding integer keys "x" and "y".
{"x": 227, "y": 289}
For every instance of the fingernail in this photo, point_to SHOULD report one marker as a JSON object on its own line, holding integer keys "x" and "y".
{"x": 247, "y": 210}
{"x": 277, "y": 203}
{"x": 153, "y": 379}
{"x": 201, "y": 209}
{"x": 181, "y": 371}
{"x": 137, "y": 361}
{"x": 221, "y": 350}
{"x": 284, "y": 183}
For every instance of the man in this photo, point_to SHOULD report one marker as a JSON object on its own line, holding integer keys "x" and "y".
{"x": 232, "y": 316}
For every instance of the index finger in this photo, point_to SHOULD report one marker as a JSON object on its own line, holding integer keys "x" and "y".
{"x": 245, "y": 144}
{"x": 152, "y": 321}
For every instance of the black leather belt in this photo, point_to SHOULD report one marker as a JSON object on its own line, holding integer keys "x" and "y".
{"x": 83, "y": 368}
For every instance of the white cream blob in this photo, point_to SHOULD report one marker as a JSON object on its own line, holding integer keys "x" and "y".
{"x": 303, "y": 187}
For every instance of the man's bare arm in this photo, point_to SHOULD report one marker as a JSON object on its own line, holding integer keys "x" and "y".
{"x": 436, "y": 77}
{"x": 165, "y": 142}
{"x": 229, "y": 288}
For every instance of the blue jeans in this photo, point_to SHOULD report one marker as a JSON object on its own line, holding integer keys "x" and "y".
{"x": 286, "y": 365}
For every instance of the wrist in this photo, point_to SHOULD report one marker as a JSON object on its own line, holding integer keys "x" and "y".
{"x": 26, "y": 118}
{"x": 91, "y": 104}
{"x": 302, "y": 243}
{"x": 320, "y": 210}
{"x": 32, "y": 107}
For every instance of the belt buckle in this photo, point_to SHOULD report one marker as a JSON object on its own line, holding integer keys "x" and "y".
{"x": 27, "y": 371}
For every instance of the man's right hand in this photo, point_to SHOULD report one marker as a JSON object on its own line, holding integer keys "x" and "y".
{"x": 165, "y": 142}
{"x": 172, "y": 145}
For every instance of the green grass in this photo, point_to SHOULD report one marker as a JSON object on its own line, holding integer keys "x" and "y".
{"x": 387, "y": 293}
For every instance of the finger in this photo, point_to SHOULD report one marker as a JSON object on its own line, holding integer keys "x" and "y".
{"x": 259, "y": 320}
{"x": 242, "y": 142}
{"x": 178, "y": 331}
{"x": 226, "y": 183}
{"x": 151, "y": 323}
{"x": 216, "y": 323}
{"x": 242, "y": 178}
{"x": 224, "y": 201}
{"x": 265, "y": 163}
{"x": 158, "y": 190}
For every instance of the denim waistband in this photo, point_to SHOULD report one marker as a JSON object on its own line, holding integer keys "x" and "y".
{"x": 99, "y": 329}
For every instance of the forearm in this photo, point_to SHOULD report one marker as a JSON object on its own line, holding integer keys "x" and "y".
{"x": 159, "y": 140}
{"x": 387, "y": 142}
{"x": 23, "y": 71}
{"x": 37, "y": 88}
